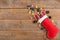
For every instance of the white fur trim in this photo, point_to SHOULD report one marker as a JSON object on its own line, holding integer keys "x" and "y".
{"x": 41, "y": 19}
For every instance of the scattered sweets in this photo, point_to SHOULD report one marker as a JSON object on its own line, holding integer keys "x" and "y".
{"x": 36, "y": 6}
{"x": 47, "y": 12}
{"x": 38, "y": 9}
{"x": 52, "y": 21}
{"x": 35, "y": 21}
{"x": 38, "y": 13}
{"x": 32, "y": 13}
{"x": 29, "y": 11}
{"x": 35, "y": 9}
{"x": 49, "y": 17}
{"x": 28, "y": 5}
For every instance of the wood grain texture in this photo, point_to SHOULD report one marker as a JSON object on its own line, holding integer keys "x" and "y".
{"x": 20, "y": 30}
{"x": 23, "y": 14}
{"x": 4, "y": 3}
{"x": 13, "y": 25}
{"x": 20, "y": 35}
{"x": 54, "y": 13}
{"x": 23, "y": 4}
{"x": 16, "y": 23}
{"x": 13, "y": 3}
{"x": 14, "y": 14}
{"x": 51, "y": 4}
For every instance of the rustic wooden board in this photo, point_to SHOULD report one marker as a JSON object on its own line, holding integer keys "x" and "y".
{"x": 20, "y": 30}
{"x": 13, "y": 3}
{"x": 22, "y": 14}
{"x": 13, "y": 25}
{"x": 23, "y": 4}
{"x": 16, "y": 3}
{"x": 14, "y": 14}
{"x": 54, "y": 13}
{"x": 20, "y": 35}
{"x": 4, "y": 3}
{"x": 47, "y": 3}
{"x": 51, "y": 4}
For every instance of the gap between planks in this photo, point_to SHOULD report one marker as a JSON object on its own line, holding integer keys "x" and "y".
{"x": 19, "y": 20}
{"x": 26, "y": 8}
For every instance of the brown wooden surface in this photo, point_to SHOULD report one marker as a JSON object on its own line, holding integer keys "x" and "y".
{"x": 16, "y": 23}
{"x": 24, "y": 3}
{"x": 14, "y": 14}
{"x": 20, "y": 30}
{"x": 22, "y": 14}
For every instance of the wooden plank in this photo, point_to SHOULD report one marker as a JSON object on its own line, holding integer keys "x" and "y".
{"x": 18, "y": 3}
{"x": 14, "y": 3}
{"x": 54, "y": 13}
{"x": 4, "y": 3}
{"x": 51, "y": 4}
{"x": 19, "y": 30}
{"x": 20, "y": 35}
{"x": 24, "y": 3}
{"x": 18, "y": 25}
{"x": 40, "y": 3}
{"x": 22, "y": 14}
{"x": 14, "y": 14}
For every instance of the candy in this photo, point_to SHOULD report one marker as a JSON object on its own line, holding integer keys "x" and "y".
{"x": 29, "y": 11}
{"x": 49, "y": 17}
{"x": 36, "y": 6}
{"x": 53, "y": 21}
{"x": 35, "y": 21}
{"x": 47, "y": 12}
{"x": 33, "y": 13}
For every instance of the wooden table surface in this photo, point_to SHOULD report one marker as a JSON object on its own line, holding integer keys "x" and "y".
{"x": 15, "y": 22}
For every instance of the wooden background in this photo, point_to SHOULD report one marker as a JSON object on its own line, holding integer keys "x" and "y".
{"x": 15, "y": 22}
